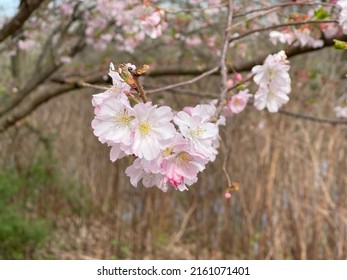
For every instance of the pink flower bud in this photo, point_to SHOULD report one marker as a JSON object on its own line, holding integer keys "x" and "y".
{"x": 227, "y": 195}
{"x": 230, "y": 83}
{"x": 238, "y": 77}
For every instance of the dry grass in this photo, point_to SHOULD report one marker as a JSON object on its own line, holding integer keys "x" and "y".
{"x": 292, "y": 202}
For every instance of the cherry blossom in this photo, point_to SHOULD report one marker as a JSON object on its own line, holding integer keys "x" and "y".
{"x": 297, "y": 36}
{"x": 197, "y": 129}
{"x": 343, "y": 15}
{"x": 180, "y": 164}
{"x": 151, "y": 24}
{"x": 341, "y": 112}
{"x": 283, "y": 37}
{"x": 136, "y": 172}
{"x": 237, "y": 102}
{"x": 66, "y": 9}
{"x": 153, "y": 127}
{"x": 114, "y": 122}
{"x": 117, "y": 90}
{"x": 274, "y": 82}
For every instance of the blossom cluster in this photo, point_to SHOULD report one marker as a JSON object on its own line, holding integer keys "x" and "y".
{"x": 341, "y": 112}
{"x": 170, "y": 148}
{"x": 303, "y": 37}
{"x": 343, "y": 15}
{"x": 136, "y": 22}
{"x": 309, "y": 35}
{"x": 274, "y": 82}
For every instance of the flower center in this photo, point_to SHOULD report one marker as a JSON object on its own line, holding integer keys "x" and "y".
{"x": 167, "y": 152}
{"x": 183, "y": 158}
{"x": 198, "y": 132}
{"x": 123, "y": 118}
{"x": 114, "y": 89}
{"x": 145, "y": 128}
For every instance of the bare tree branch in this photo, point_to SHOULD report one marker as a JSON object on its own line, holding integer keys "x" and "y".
{"x": 44, "y": 94}
{"x": 312, "y": 118}
{"x": 25, "y": 10}
{"x": 283, "y": 5}
{"x": 281, "y": 25}
{"x": 191, "y": 81}
{"x": 246, "y": 66}
{"x": 38, "y": 80}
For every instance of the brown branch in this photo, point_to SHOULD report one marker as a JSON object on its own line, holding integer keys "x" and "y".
{"x": 44, "y": 94}
{"x": 283, "y": 5}
{"x": 280, "y": 25}
{"x": 312, "y": 118}
{"x": 25, "y": 10}
{"x": 223, "y": 66}
{"x": 243, "y": 67}
{"x": 191, "y": 81}
{"x": 38, "y": 80}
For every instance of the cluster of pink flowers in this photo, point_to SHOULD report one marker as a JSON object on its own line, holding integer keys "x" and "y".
{"x": 274, "y": 82}
{"x": 297, "y": 36}
{"x": 170, "y": 148}
{"x": 135, "y": 21}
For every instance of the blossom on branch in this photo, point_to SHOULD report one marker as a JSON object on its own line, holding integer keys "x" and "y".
{"x": 274, "y": 82}
{"x": 237, "y": 103}
{"x": 341, "y": 112}
{"x": 343, "y": 15}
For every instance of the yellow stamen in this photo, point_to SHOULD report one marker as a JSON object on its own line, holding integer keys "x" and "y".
{"x": 145, "y": 128}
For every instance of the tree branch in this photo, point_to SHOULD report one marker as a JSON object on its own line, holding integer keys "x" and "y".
{"x": 287, "y": 4}
{"x": 312, "y": 118}
{"x": 243, "y": 67}
{"x": 281, "y": 25}
{"x": 44, "y": 94}
{"x": 25, "y": 10}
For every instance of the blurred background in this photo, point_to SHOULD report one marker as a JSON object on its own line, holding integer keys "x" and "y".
{"x": 62, "y": 198}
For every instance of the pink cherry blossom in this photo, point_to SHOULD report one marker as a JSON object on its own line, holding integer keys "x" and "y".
{"x": 282, "y": 37}
{"x": 136, "y": 172}
{"x": 114, "y": 122}
{"x": 199, "y": 132}
{"x": 341, "y": 112}
{"x": 153, "y": 127}
{"x": 238, "y": 102}
{"x": 272, "y": 100}
{"x": 117, "y": 90}
{"x": 274, "y": 82}
{"x": 230, "y": 83}
{"x": 65, "y": 59}
{"x": 343, "y": 15}
{"x": 180, "y": 163}
{"x": 66, "y": 9}
{"x": 26, "y": 44}
{"x": 151, "y": 25}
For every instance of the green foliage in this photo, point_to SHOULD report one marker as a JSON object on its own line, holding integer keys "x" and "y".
{"x": 340, "y": 45}
{"x": 20, "y": 237}
{"x": 122, "y": 248}
{"x": 321, "y": 13}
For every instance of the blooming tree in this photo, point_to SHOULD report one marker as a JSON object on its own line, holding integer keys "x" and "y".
{"x": 170, "y": 147}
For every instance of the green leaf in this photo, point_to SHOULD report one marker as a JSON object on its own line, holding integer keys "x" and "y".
{"x": 340, "y": 45}
{"x": 321, "y": 13}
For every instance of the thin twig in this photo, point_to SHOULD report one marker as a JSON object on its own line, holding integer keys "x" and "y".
{"x": 188, "y": 82}
{"x": 281, "y": 25}
{"x": 253, "y": 17}
{"x": 225, "y": 163}
{"x": 223, "y": 66}
{"x": 312, "y": 118}
{"x": 282, "y": 5}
